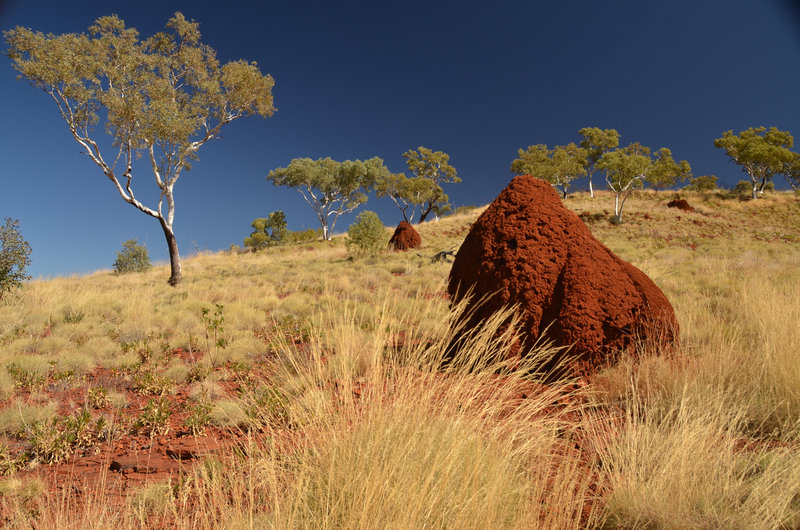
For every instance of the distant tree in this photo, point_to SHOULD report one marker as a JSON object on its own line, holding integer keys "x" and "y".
{"x": 433, "y": 167}
{"x": 366, "y": 236}
{"x": 761, "y": 153}
{"x": 270, "y": 230}
{"x": 331, "y": 188}
{"x": 702, "y": 183}
{"x": 630, "y": 168}
{"x": 791, "y": 170}
{"x": 559, "y": 166}
{"x": 132, "y": 258}
{"x": 15, "y": 255}
{"x": 407, "y": 192}
{"x": 163, "y": 97}
{"x": 597, "y": 142}
{"x": 665, "y": 172}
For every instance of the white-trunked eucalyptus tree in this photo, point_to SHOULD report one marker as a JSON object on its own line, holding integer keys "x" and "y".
{"x": 330, "y": 187}
{"x": 163, "y": 97}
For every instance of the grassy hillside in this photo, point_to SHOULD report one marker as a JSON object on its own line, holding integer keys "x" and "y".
{"x": 320, "y": 377}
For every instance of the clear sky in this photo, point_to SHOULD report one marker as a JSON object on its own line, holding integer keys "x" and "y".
{"x": 357, "y": 79}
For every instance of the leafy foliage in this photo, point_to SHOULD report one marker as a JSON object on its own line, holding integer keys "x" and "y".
{"x": 702, "y": 183}
{"x": 791, "y": 171}
{"x": 367, "y": 236}
{"x": 597, "y": 142}
{"x": 331, "y": 188}
{"x": 761, "y": 153}
{"x": 54, "y": 440}
{"x": 154, "y": 417}
{"x": 164, "y": 97}
{"x": 630, "y": 168}
{"x": 559, "y": 166}
{"x": 267, "y": 231}
{"x": 14, "y": 257}
{"x": 132, "y": 258}
{"x": 431, "y": 169}
{"x": 411, "y": 193}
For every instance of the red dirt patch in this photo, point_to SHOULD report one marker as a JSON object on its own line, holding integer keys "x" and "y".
{"x": 528, "y": 249}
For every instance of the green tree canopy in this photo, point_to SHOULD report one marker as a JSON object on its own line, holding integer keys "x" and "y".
{"x": 559, "y": 166}
{"x": 597, "y": 142}
{"x": 331, "y": 188}
{"x": 702, "y": 183}
{"x": 132, "y": 258}
{"x": 761, "y": 153}
{"x": 366, "y": 236}
{"x": 665, "y": 172}
{"x": 163, "y": 97}
{"x": 267, "y": 231}
{"x": 409, "y": 193}
{"x": 791, "y": 171}
{"x": 630, "y": 168}
{"x": 433, "y": 167}
{"x": 15, "y": 256}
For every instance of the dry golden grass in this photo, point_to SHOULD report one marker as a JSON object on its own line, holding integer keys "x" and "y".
{"x": 351, "y": 430}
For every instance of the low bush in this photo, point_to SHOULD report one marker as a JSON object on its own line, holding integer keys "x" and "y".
{"x": 14, "y": 257}
{"x": 367, "y": 236}
{"x": 132, "y": 258}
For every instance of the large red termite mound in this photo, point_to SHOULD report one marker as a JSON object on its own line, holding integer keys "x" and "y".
{"x": 405, "y": 237}
{"x": 528, "y": 249}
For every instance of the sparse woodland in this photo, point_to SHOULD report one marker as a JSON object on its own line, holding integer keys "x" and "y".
{"x": 322, "y": 377}
{"x": 314, "y": 371}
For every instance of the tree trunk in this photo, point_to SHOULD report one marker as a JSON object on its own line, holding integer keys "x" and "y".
{"x": 755, "y": 191}
{"x": 591, "y": 189}
{"x": 174, "y": 257}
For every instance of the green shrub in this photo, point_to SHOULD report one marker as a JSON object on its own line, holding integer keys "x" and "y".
{"x": 132, "y": 258}
{"x": 14, "y": 257}
{"x": 267, "y": 231}
{"x": 703, "y": 183}
{"x": 744, "y": 188}
{"x": 367, "y": 236}
{"x": 308, "y": 235}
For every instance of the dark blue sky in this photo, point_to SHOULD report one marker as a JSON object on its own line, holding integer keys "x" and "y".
{"x": 362, "y": 79}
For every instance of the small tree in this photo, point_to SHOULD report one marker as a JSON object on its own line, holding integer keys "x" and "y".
{"x": 434, "y": 168}
{"x": 703, "y": 183}
{"x": 667, "y": 173}
{"x": 559, "y": 167}
{"x": 761, "y": 153}
{"x": 626, "y": 170}
{"x": 366, "y": 236}
{"x": 791, "y": 170}
{"x": 270, "y": 230}
{"x": 410, "y": 193}
{"x": 630, "y": 168}
{"x": 162, "y": 97}
{"x": 132, "y": 258}
{"x": 597, "y": 142}
{"x": 15, "y": 255}
{"x": 331, "y": 188}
